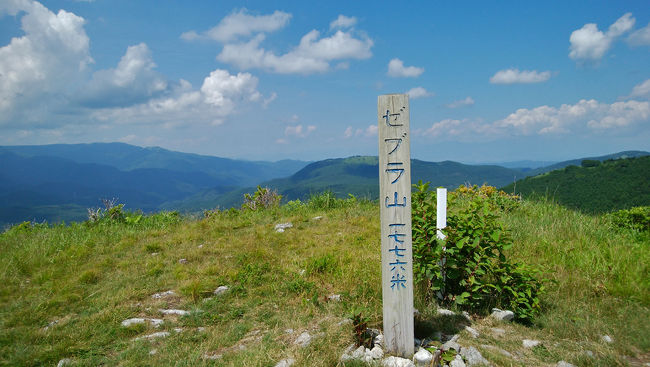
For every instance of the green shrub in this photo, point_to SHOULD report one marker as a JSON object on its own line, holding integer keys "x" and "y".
{"x": 263, "y": 198}
{"x": 637, "y": 218}
{"x": 469, "y": 268}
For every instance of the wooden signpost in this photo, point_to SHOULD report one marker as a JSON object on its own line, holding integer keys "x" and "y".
{"x": 395, "y": 212}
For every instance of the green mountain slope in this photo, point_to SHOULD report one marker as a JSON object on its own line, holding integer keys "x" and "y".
{"x": 611, "y": 185}
{"x": 577, "y": 162}
{"x": 358, "y": 176}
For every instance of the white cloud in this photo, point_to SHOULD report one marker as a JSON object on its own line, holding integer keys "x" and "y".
{"x": 132, "y": 81}
{"x": 514, "y": 76}
{"x": 468, "y": 101}
{"x": 418, "y": 92}
{"x": 241, "y": 24}
{"x": 640, "y": 37}
{"x": 589, "y": 43}
{"x": 50, "y": 57}
{"x": 397, "y": 69}
{"x": 641, "y": 90}
{"x": 312, "y": 55}
{"x": 369, "y": 131}
{"x": 298, "y": 131}
{"x": 343, "y": 22}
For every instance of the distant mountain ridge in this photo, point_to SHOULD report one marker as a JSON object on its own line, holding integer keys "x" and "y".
{"x": 577, "y": 162}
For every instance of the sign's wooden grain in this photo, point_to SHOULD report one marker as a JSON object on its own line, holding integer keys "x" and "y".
{"x": 395, "y": 212}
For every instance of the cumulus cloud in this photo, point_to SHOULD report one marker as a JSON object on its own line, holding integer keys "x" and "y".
{"x": 132, "y": 81}
{"x": 298, "y": 131}
{"x": 343, "y": 22}
{"x": 241, "y": 24}
{"x": 590, "y": 44}
{"x": 397, "y": 69}
{"x": 514, "y": 76}
{"x": 419, "y": 92}
{"x": 369, "y": 131}
{"x": 640, "y": 37}
{"x": 468, "y": 101}
{"x": 312, "y": 55}
{"x": 641, "y": 90}
{"x": 47, "y": 59}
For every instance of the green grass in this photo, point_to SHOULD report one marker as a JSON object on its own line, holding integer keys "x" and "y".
{"x": 89, "y": 278}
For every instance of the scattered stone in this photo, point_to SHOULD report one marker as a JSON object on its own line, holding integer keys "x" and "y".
{"x": 473, "y": 357}
{"x": 530, "y": 343}
{"x": 200, "y": 329}
{"x": 164, "y": 294}
{"x": 303, "y": 340}
{"x": 288, "y": 331}
{"x": 64, "y": 362}
{"x": 457, "y": 362}
{"x": 51, "y": 324}
{"x": 451, "y": 345}
{"x": 317, "y": 218}
{"x": 182, "y": 261}
{"x": 334, "y": 297}
{"x": 502, "y": 351}
{"x": 139, "y": 320}
{"x": 379, "y": 340}
{"x": 160, "y": 334}
{"x": 344, "y": 322}
{"x": 564, "y": 364}
{"x": 467, "y": 315}
{"x": 447, "y": 337}
{"x": 445, "y": 312}
{"x": 376, "y": 352}
{"x": 607, "y": 339}
{"x": 501, "y": 315}
{"x": 178, "y": 330}
{"x": 422, "y": 358}
{"x": 200, "y": 246}
{"x": 589, "y": 354}
{"x": 282, "y": 226}
{"x": 220, "y": 290}
{"x": 473, "y": 332}
{"x": 286, "y": 362}
{"x": 393, "y": 361}
{"x": 154, "y": 254}
{"x": 498, "y": 332}
{"x": 359, "y": 352}
{"x": 175, "y": 312}
{"x": 212, "y": 356}
{"x": 153, "y": 352}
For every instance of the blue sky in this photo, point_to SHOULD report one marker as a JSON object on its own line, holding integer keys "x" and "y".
{"x": 267, "y": 80}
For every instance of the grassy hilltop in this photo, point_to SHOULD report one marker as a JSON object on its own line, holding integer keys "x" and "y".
{"x": 66, "y": 289}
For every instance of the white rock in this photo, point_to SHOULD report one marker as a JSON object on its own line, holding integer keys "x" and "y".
{"x": 182, "y": 261}
{"x": 334, "y": 297}
{"x": 502, "y": 351}
{"x": 422, "y": 358}
{"x": 344, "y": 322}
{"x": 393, "y": 361}
{"x": 160, "y": 334}
{"x": 220, "y": 290}
{"x": 154, "y": 254}
{"x": 502, "y": 315}
{"x": 457, "y": 362}
{"x": 286, "y": 362}
{"x": 359, "y": 352}
{"x": 589, "y": 353}
{"x": 530, "y": 343}
{"x": 473, "y": 332}
{"x": 153, "y": 352}
{"x": 200, "y": 329}
{"x": 564, "y": 364}
{"x": 498, "y": 332}
{"x": 376, "y": 352}
{"x": 139, "y": 320}
{"x": 466, "y": 315}
{"x": 64, "y": 362}
{"x": 303, "y": 340}
{"x": 451, "y": 345}
{"x": 367, "y": 358}
{"x": 51, "y": 324}
{"x": 200, "y": 246}
{"x": 175, "y": 312}
{"x": 163, "y": 294}
{"x": 317, "y": 218}
{"x": 607, "y": 339}
{"x": 473, "y": 357}
{"x": 288, "y": 331}
{"x": 212, "y": 356}
{"x": 178, "y": 330}
{"x": 379, "y": 340}
{"x": 445, "y": 312}
{"x": 280, "y": 227}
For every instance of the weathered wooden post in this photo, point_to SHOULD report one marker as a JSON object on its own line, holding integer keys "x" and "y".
{"x": 395, "y": 213}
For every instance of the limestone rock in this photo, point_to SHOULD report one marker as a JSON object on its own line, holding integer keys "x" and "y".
{"x": 303, "y": 340}
{"x": 153, "y": 352}
{"x": 607, "y": 339}
{"x": 473, "y": 357}
{"x": 139, "y": 320}
{"x": 422, "y": 358}
{"x": 334, "y": 297}
{"x": 530, "y": 343}
{"x": 502, "y": 351}
{"x": 213, "y": 356}
{"x": 473, "y": 332}
{"x": 498, "y": 332}
{"x": 175, "y": 312}
{"x": 286, "y": 362}
{"x": 164, "y": 294}
{"x": 280, "y": 227}
{"x": 564, "y": 364}
{"x": 445, "y": 312}
{"x": 317, "y": 218}
{"x": 501, "y": 315}
{"x": 182, "y": 261}
{"x": 220, "y": 290}
{"x": 160, "y": 334}
{"x": 359, "y": 352}
{"x": 376, "y": 352}
{"x": 393, "y": 361}
{"x": 379, "y": 340}
{"x": 64, "y": 362}
{"x": 451, "y": 345}
{"x": 457, "y": 362}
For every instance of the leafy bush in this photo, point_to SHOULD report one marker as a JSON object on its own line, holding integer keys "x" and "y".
{"x": 637, "y": 218}
{"x": 328, "y": 200}
{"x": 263, "y": 198}
{"x": 469, "y": 268}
